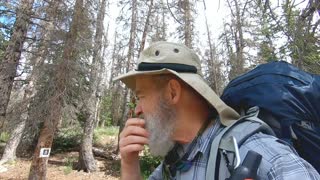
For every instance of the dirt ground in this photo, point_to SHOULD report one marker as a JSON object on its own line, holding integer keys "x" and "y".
{"x": 58, "y": 168}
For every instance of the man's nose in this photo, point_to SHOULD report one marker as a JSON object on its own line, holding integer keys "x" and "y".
{"x": 138, "y": 110}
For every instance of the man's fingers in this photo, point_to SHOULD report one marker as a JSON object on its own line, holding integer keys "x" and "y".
{"x": 134, "y": 130}
{"x": 133, "y": 140}
{"x": 135, "y": 122}
{"x": 132, "y": 148}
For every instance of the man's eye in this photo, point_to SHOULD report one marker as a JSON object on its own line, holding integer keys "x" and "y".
{"x": 139, "y": 97}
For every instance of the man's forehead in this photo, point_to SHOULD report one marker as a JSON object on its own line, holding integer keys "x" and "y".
{"x": 143, "y": 83}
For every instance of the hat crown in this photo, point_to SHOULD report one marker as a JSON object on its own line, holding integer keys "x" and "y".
{"x": 171, "y": 58}
{"x": 171, "y": 53}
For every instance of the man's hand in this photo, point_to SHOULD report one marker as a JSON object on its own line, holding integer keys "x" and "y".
{"x": 132, "y": 140}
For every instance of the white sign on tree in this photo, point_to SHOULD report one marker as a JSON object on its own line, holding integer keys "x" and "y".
{"x": 45, "y": 152}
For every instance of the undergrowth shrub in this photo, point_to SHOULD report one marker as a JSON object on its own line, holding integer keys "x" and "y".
{"x": 148, "y": 163}
{"x": 66, "y": 139}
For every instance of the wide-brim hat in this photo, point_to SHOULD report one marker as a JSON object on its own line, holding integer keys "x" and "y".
{"x": 179, "y": 60}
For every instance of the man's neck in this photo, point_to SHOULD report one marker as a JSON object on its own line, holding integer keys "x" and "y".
{"x": 191, "y": 114}
{"x": 188, "y": 127}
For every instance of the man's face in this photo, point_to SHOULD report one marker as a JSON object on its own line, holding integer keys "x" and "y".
{"x": 158, "y": 114}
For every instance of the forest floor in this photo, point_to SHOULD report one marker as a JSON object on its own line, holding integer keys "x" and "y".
{"x": 60, "y": 166}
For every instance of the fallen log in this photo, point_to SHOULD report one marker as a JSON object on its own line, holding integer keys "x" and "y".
{"x": 101, "y": 153}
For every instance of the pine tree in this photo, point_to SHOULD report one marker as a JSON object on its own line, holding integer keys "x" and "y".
{"x": 10, "y": 62}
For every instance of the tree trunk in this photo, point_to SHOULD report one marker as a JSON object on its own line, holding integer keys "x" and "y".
{"x": 160, "y": 23}
{"x": 213, "y": 73}
{"x": 124, "y": 116}
{"x": 133, "y": 28}
{"x": 237, "y": 60}
{"x": 86, "y": 159}
{"x": 97, "y": 113}
{"x": 164, "y": 22}
{"x": 146, "y": 25}
{"x": 188, "y": 24}
{"x": 239, "y": 41}
{"x": 9, "y": 153}
{"x": 9, "y": 64}
{"x": 38, "y": 167}
{"x": 132, "y": 34}
{"x": 115, "y": 89}
{"x": 30, "y": 90}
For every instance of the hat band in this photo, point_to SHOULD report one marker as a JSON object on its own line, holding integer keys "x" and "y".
{"x": 173, "y": 66}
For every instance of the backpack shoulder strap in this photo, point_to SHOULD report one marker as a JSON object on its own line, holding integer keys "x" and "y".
{"x": 232, "y": 137}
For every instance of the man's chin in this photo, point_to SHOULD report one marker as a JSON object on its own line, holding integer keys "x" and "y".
{"x": 161, "y": 150}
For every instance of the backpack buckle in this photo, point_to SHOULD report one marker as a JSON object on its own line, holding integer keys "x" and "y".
{"x": 253, "y": 111}
{"x": 231, "y": 146}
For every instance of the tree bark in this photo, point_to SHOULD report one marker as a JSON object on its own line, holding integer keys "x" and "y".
{"x": 114, "y": 89}
{"x": 239, "y": 41}
{"x": 9, "y": 64}
{"x": 9, "y": 153}
{"x": 130, "y": 54}
{"x": 124, "y": 116}
{"x": 38, "y": 167}
{"x": 237, "y": 63}
{"x": 30, "y": 90}
{"x": 146, "y": 25}
{"x": 86, "y": 159}
{"x": 101, "y": 153}
{"x": 132, "y": 38}
{"x": 188, "y": 24}
{"x": 212, "y": 66}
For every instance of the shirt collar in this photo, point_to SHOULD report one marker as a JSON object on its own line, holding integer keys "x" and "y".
{"x": 200, "y": 144}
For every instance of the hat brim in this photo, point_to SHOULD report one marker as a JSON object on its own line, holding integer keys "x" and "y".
{"x": 226, "y": 113}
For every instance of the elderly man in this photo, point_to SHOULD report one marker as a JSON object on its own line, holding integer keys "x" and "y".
{"x": 181, "y": 115}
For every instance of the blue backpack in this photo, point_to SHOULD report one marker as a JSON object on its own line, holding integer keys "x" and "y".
{"x": 289, "y": 102}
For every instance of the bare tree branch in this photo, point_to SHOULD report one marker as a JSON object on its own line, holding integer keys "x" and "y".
{"x": 174, "y": 17}
{"x": 315, "y": 26}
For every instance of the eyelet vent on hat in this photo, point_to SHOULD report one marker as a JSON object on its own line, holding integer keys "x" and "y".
{"x": 175, "y": 50}
{"x": 157, "y": 53}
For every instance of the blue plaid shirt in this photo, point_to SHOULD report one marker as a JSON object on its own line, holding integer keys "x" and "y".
{"x": 279, "y": 162}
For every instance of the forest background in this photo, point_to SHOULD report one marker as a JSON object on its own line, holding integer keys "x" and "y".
{"x": 58, "y": 59}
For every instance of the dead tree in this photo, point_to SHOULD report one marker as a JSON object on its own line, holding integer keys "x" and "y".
{"x": 38, "y": 167}
{"x": 146, "y": 25}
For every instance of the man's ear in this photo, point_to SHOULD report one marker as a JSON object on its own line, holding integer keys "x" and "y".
{"x": 174, "y": 90}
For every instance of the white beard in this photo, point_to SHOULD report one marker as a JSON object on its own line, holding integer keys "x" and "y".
{"x": 160, "y": 126}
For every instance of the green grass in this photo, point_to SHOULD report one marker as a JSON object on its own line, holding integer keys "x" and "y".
{"x": 100, "y": 134}
{"x": 107, "y": 131}
{"x": 4, "y": 137}
{"x": 67, "y": 170}
{"x": 69, "y": 161}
